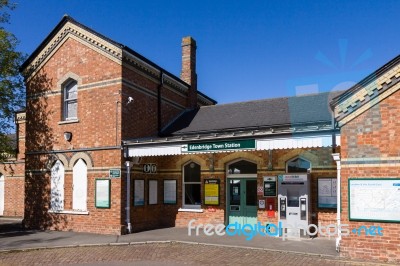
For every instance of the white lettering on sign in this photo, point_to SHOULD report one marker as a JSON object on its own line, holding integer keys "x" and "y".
{"x": 232, "y": 145}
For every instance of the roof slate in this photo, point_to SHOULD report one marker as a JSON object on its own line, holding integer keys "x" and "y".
{"x": 286, "y": 111}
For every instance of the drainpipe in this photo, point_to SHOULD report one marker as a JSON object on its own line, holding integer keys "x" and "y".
{"x": 116, "y": 122}
{"x": 159, "y": 122}
{"x": 336, "y": 157}
{"x": 128, "y": 165}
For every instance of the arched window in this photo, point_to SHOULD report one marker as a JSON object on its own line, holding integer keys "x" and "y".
{"x": 191, "y": 186}
{"x": 242, "y": 167}
{"x": 2, "y": 192}
{"x": 70, "y": 101}
{"x": 298, "y": 165}
{"x": 57, "y": 187}
{"x": 79, "y": 179}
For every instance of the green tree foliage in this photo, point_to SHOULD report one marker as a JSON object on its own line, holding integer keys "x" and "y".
{"x": 11, "y": 82}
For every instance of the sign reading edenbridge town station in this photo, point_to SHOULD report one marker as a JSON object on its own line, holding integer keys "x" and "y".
{"x": 247, "y": 144}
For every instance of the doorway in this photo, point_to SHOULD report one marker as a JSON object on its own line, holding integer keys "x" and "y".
{"x": 242, "y": 201}
{"x": 241, "y": 196}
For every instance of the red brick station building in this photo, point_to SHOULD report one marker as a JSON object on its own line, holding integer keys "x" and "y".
{"x": 112, "y": 143}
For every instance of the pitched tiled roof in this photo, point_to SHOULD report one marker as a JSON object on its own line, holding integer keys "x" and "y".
{"x": 269, "y": 113}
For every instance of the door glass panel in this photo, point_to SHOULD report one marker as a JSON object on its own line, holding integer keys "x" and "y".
{"x": 234, "y": 192}
{"x": 251, "y": 192}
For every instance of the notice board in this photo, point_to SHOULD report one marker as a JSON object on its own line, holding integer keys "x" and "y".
{"x": 374, "y": 199}
{"x": 103, "y": 193}
{"x": 211, "y": 191}
{"x": 269, "y": 186}
{"x": 327, "y": 194}
{"x": 138, "y": 196}
{"x": 170, "y": 191}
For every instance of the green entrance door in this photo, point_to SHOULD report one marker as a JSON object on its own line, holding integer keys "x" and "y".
{"x": 242, "y": 201}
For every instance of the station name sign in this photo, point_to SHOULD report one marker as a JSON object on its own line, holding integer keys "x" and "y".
{"x": 248, "y": 144}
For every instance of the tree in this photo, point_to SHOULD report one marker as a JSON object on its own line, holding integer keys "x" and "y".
{"x": 12, "y": 92}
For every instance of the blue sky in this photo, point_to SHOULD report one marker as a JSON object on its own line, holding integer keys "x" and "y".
{"x": 247, "y": 50}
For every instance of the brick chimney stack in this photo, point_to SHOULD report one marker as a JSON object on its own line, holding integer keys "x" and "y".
{"x": 188, "y": 73}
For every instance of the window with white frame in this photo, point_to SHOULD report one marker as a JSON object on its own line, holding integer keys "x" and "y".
{"x": 57, "y": 187}
{"x": 70, "y": 104}
{"x": 191, "y": 186}
{"x": 298, "y": 165}
{"x": 79, "y": 179}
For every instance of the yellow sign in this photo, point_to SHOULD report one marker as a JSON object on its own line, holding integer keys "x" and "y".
{"x": 211, "y": 192}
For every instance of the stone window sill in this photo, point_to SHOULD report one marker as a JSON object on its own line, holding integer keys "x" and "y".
{"x": 68, "y": 121}
{"x": 70, "y": 212}
{"x": 190, "y": 210}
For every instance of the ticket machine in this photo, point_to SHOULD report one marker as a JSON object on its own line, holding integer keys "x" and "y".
{"x": 294, "y": 203}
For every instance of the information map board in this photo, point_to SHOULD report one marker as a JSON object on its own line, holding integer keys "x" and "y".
{"x": 374, "y": 199}
{"x": 327, "y": 197}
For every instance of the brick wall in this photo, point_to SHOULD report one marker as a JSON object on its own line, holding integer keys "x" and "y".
{"x": 95, "y": 137}
{"x": 141, "y": 117}
{"x": 372, "y": 136}
{"x": 105, "y": 117}
{"x": 13, "y": 171}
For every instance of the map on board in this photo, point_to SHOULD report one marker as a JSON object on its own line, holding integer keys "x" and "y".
{"x": 327, "y": 197}
{"x": 374, "y": 199}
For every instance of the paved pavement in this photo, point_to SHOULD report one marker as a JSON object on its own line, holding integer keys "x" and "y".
{"x": 170, "y": 246}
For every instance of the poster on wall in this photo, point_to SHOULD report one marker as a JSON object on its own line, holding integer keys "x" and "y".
{"x": 153, "y": 192}
{"x": 327, "y": 197}
{"x": 169, "y": 191}
{"x": 138, "y": 194}
{"x": 269, "y": 186}
{"x": 374, "y": 199}
{"x": 211, "y": 192}
{"x": 103, "y": 191}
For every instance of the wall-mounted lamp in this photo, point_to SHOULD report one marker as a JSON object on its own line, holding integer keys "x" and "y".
{"x": 68, "y": 136}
